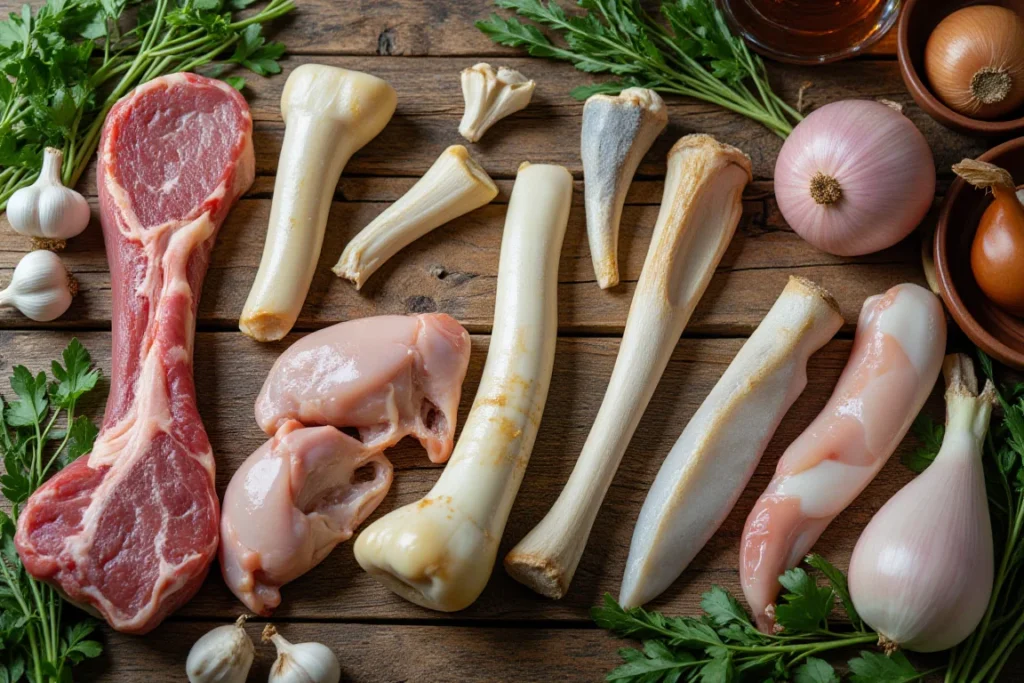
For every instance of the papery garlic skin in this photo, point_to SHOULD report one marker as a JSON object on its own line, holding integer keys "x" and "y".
{"x": 301, "y": 662}
{"x": 922, "y": 571}
{"x": 491, "y": 96}
{"x": 47, "y": 209}
{"x": 40, "y": 287}
{"x": 223, "y": 655}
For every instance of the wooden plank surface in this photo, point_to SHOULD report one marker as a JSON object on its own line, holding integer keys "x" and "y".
{"x": 230, "y": 369}
{"x": 453, "y": 270}
{"x": 420, "y": 47}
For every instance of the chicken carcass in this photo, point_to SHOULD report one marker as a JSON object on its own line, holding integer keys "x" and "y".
{"x": 896, "y": 358}
{"x": 387, "y": 376}
{"x": 290, "y": 503}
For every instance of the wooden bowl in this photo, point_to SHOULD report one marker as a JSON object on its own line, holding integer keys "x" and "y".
{"x": 918, "y": 20}
{"x": 998, "y": 334}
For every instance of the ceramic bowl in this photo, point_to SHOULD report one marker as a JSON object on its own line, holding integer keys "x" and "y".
{"x": 998, "y": 334}
{"x": 918, "y": 20}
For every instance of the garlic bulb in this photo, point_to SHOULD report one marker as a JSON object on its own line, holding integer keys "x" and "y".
{"x": 41, "y": 287}
{"x": 921, "y": 573}
{"x": 224, "y": 655}
{"x": 46, "y": 210}
{"x": 301, "y": 662}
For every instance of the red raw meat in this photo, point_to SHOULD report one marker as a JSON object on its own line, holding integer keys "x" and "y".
{"x": 130, "y": 530}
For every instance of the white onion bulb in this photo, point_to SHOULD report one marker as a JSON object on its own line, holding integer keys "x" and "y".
{"x": 921, "y": 573}
{"x": 854, "y": 177}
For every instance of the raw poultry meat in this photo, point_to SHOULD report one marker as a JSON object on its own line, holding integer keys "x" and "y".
{"x": 308, "y": 488}
{"x": 290, "y": 503}
{"x": 896, "y": 358}
{"x": 387, "y": 376}
{"x": 130, "y": 530}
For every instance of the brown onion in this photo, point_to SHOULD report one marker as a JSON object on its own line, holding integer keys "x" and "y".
{"x": 975, "y": 61}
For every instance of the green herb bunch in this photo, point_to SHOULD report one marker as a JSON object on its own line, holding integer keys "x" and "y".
{"x": 693, "y": 54}
{"x": 723, "y": 645}
{"x": 985, "y": 653}
{"x": 40, "y": 433}
{"x": 62, "y": 69}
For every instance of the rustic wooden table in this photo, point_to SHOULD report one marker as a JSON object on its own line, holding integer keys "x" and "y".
{"x": 420, "y": 46}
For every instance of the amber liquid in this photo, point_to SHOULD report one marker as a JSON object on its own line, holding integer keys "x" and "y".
{"x": 810, "y": 30}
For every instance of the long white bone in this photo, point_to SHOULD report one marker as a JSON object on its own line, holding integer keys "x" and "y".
{"x": 711, "y": 462}
{"x": 700, "y": 209}
{"x": 439, "y": 552}
{"x": 329, "y": 114}
{"x": 453, "y": 186}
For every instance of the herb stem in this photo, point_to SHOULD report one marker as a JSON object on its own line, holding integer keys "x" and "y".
{"x": 995, "y": 600}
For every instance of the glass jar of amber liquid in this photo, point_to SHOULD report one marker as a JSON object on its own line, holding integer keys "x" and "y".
{"x": 810, "y": 31}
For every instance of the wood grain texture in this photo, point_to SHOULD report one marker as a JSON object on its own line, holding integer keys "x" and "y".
{"x": 230, "y": 369}
{"x": 420, "y": 46}
{"x": 453, "y": 270}
{"x": 430, "y": 106}
{"x": 398, "y": 27}
{"x": 375, "y": 653}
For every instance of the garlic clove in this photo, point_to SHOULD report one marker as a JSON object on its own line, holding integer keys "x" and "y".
{"x": 301, "y": 662}
{"x": 491, "y": 96}
{"x": 223, "y": 655}
{"x": 46, "y": 210}
{"x": 41, "y": 287}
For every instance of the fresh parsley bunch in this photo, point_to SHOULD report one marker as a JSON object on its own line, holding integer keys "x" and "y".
{"x": 723, "y": 645}
{"x": 40, "y": 432}
{"x": 63, "y": 68}
{"x": 693, "y": 54}
{"x": 985, "y": 653}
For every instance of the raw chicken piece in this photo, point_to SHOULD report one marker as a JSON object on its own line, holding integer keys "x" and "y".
{"x": 294, "y": 499}
{"x": 896, "y": 358}
{"x": 388, "y": 376}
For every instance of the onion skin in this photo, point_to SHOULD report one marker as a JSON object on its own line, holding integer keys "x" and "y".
{"x": 921, "y": 573}
{"x": 883, "y": 170}
{"x": 974, "y": 61}
{"x": 997, "y": 254}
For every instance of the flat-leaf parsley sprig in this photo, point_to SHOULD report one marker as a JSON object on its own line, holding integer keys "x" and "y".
{"x": 693, "y": 53}
{"x": 65, "y": 66}
{"x": 724, "y": 645}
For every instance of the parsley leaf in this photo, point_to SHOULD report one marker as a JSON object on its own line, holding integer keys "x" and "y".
{"x": 722, "y": 608}
{"x": 874, "y": 667}
{"x": 807, "y": 605}
{"x": 837, "y": 580}
{"x": 80, "y": 437}
{"x": 256, "y": 54}
{"x": 75, "y": 377}
{"x": 32, "y": 403}
{"x": 815, "y": 670}
{"x": 698, "y": 57}
{"x": 930, "y": 434}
